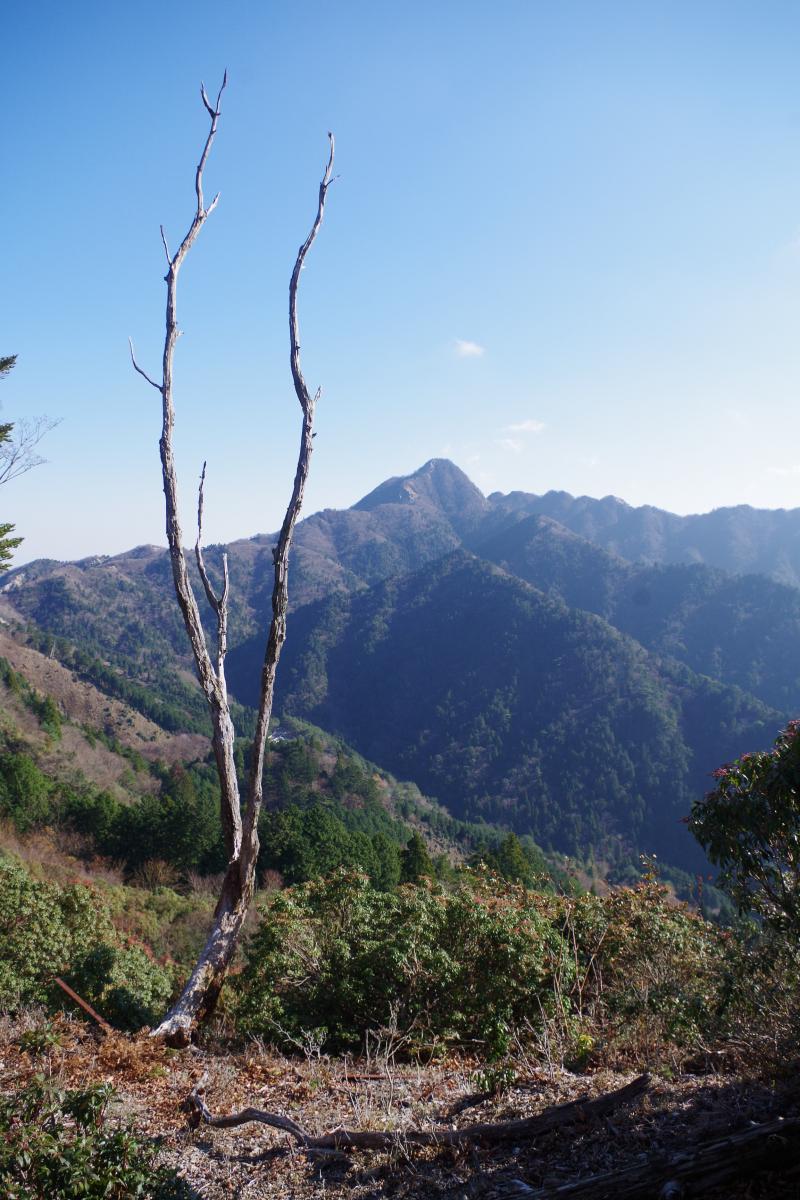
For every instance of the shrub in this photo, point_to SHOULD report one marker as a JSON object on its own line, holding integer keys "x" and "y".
{"x": 749, "y": 826}
{"x": 47, "y": 931}
{"x": 123, "y": 983}
{"x": 42, "y": 928}
{"x": 758, "y": 1001}
{"x": 24, "y": 791}
{"x": 632, "y": 975}
{"x": 55, "y": 1143}
{"x": 339, "y": 955}
{"x": 648, "y": 970}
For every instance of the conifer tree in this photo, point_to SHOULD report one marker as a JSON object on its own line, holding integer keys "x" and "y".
{"x": 415, "y": 861}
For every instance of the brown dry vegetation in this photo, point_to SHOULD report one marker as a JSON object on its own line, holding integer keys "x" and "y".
{"x": 377, "y": 1092}
{"x": 84, "y": 704}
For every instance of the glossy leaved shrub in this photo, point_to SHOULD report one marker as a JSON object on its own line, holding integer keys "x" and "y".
{"x": 47, "y": 930}
{"x": 340, "y": 957}
{"x": 56, "y": 1143}
{"x": 629, "y": 976}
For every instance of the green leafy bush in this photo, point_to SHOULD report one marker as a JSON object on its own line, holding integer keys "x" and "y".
{"x": 46, "y": 930}
{"x": 339, "y": 955}
{"x": 629, "y": 976}
{"x": 648, "y": 970}
{"x": 758, "y": 1003}
{"x": 749, "y": 826}
{"x": 55, "y": 1143}
{"x": 24, "y": 791}
{"x": 123, "y": 983}
{"x": 42, "y": 929}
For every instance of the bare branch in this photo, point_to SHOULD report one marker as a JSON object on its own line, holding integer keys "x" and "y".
{"x": 17, "y": 455}
{"x": 205, "y": 99}
{"x": 198, "y": 547}
{"x": 138, "y": 369}
{"x": 214, "y": 113}
{"x": 700, "y": 1168}
{"x": 300, "y": 387}
{"x": 280, "y": 554}
{"x": 87, "y": 1008}
{"x": 164, "y": 244}
{"x": 226, "y": 582}
{"x": 218, "y": 603}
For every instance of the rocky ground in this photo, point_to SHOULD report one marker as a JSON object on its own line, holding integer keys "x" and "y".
{"x": 379, "y": 1092}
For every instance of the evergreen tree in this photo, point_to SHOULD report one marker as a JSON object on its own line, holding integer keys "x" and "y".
{"x": 24, "y": 791}
{"x": 17, "y": 455}
{"x": 7, "y": 544}
{"x": 415, "y": 860}
{"x": 512, "y": 861}
{"x": 387, "y": 852}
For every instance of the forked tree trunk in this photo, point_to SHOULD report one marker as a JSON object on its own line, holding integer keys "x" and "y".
{"x": 200, "y": 994}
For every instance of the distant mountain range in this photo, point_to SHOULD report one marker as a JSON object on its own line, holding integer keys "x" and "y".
{"x": 570, "y": 667}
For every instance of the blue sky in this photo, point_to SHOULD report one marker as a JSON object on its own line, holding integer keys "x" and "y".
{"x": 564, "y": 251}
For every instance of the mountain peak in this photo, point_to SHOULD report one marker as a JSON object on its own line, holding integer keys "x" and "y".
{"x": 438, "y": 484}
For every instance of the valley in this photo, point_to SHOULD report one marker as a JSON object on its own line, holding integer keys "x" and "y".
{"x": 498, "y": 651}
{"x": 507, "y": 929}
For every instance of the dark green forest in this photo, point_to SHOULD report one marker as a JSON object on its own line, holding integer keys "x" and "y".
{"x": 518, "y": 669}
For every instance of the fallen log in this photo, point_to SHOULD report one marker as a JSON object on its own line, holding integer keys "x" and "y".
{"x": 772, "y": 1146}
{"x": 471, "y": 1101}
{"x": 380, "y": 1139}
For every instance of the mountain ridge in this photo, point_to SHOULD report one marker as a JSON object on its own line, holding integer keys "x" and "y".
{"x": 501, "y": 728}
{"x": 686, "y": 663}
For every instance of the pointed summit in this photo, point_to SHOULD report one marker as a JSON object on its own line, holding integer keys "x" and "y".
{"x": 438, "y": 485}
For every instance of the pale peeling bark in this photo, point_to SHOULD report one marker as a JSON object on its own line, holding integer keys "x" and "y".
{"x": 200, "y": 994}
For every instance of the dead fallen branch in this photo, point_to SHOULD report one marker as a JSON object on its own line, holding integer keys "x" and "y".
{"x": 380, "y": 1139}
{"x": 470, "y": 1101}
{"x": 87, "y": 1008}
{"x": 773, "y": 1146}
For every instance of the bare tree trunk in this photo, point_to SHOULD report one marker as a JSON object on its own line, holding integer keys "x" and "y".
{"x": 200, "y": 994}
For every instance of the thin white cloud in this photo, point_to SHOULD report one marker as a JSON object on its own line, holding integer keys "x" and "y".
{"x": 512, "y": 444}
{"x": 465, "y": 349}
{"x": 529, "y": 426}
{"x": 784, "y": 472}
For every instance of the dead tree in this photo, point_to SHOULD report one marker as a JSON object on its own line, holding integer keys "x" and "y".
{"x": 239, "y": 825}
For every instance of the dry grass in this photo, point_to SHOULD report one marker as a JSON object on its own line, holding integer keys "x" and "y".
{"x": 84, "y": 704}
{"x": 58, "y": 855}
{"x": 376, "y": 1092}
